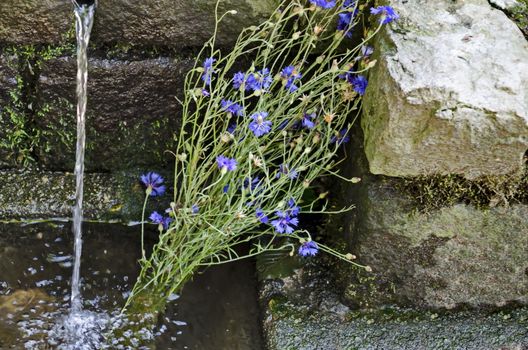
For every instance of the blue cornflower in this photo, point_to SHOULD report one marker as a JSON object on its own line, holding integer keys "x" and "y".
{"x": 208, "y": 70}
{"x": 231, "y": 128}
{"x": 261, "y": 216}
{"x": 284, "y": 222}
{"x": 238, "y": 80}
{"x": 344, "y": 23}
{"x": 195, "y": 209}
{"x": 252, "y": 184}
{"x": 205, "y": 93}
{"x": 341, "y": 137}
{"x": 259, "y": 125}
{"x": 293, "y": 210}
{"x": 259, "y": 81}
{"x": 309, "y": 248}
{"x": 359, "y": 83}
{"x": 290, "y": 75}
{"x": 284, "y": 169}
{"x": 225, "y": 188}
{"x": 387, "y": 14}
{"x": 307, "y": 121}
{"x": 153, "y": 181}
{"x": 226, "y": 164}
{"x": 283, "y": 125}
{"x": 232, "y": 107}
{"x": 366, "y": 51}
{"x": 326, "y": 4}
{"x": 157, "y": 218}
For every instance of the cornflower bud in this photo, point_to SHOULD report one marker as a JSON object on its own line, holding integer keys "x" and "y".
{"x": 350, "y": 256}
{"x": 335, "y": 66}
{"x": 226, "y": 137}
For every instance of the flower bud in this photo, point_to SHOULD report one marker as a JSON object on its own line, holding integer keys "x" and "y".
{"x": 350, "y": 256}
{"x": 225, "y": 137}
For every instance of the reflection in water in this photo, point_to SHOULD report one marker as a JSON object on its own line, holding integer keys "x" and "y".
{"x": 218, "y": 310}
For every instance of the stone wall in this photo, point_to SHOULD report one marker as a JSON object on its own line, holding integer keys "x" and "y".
{"x": 139, "y": 55}
{"x": 442, "y": 216}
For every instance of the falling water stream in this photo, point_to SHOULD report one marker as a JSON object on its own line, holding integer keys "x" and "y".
{"x": 84, "y": 15}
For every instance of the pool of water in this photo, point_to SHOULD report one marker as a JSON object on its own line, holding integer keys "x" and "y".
{"x": 217, "y": 310}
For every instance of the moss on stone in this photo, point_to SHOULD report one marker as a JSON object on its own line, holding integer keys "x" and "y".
{"x": 519, "y": 15}
{"x": 398, "y": 329}
{"x": 436, "y": 191}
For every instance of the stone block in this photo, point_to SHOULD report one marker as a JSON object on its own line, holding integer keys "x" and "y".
{"x": 132, "y": 113}
{"x": 449, "y": 93}
{"x": 185, "y": 23}
{"x": 301, "y": 310}
{"x": 34, "y": 21}
{"x": 164, "y": 23}
{"x": 440, "y": 258}
{"x": 31, "y": 195}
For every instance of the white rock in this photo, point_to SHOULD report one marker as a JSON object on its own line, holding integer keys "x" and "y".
{"x": 450, "y": 92}
{"x": 505, "y": 4}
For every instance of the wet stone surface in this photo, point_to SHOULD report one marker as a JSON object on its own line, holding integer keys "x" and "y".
{"x": 145, "y": 23}
{"x": 216, "y": 310}
{"x": 34, "y": 21}
{"x": 34, "y": 195}
{"x": 132, "y": 113}
{"x": 303, "y": 311}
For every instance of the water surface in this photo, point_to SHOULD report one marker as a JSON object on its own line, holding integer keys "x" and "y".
{"x": 217, "y": 310}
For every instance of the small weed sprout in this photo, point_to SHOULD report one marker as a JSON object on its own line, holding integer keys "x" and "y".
{"x": 252, "y": 141}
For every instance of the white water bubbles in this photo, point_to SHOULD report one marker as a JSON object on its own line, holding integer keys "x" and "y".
{"x": 81, "y": 330}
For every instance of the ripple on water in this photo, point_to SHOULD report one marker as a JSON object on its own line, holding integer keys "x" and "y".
{"x": 217, "y": 310}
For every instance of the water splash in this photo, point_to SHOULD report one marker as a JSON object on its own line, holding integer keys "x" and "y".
{"x": 84, "y": 15}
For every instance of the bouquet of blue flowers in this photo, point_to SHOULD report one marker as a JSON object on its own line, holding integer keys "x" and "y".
{"x": 252, "y": 141}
